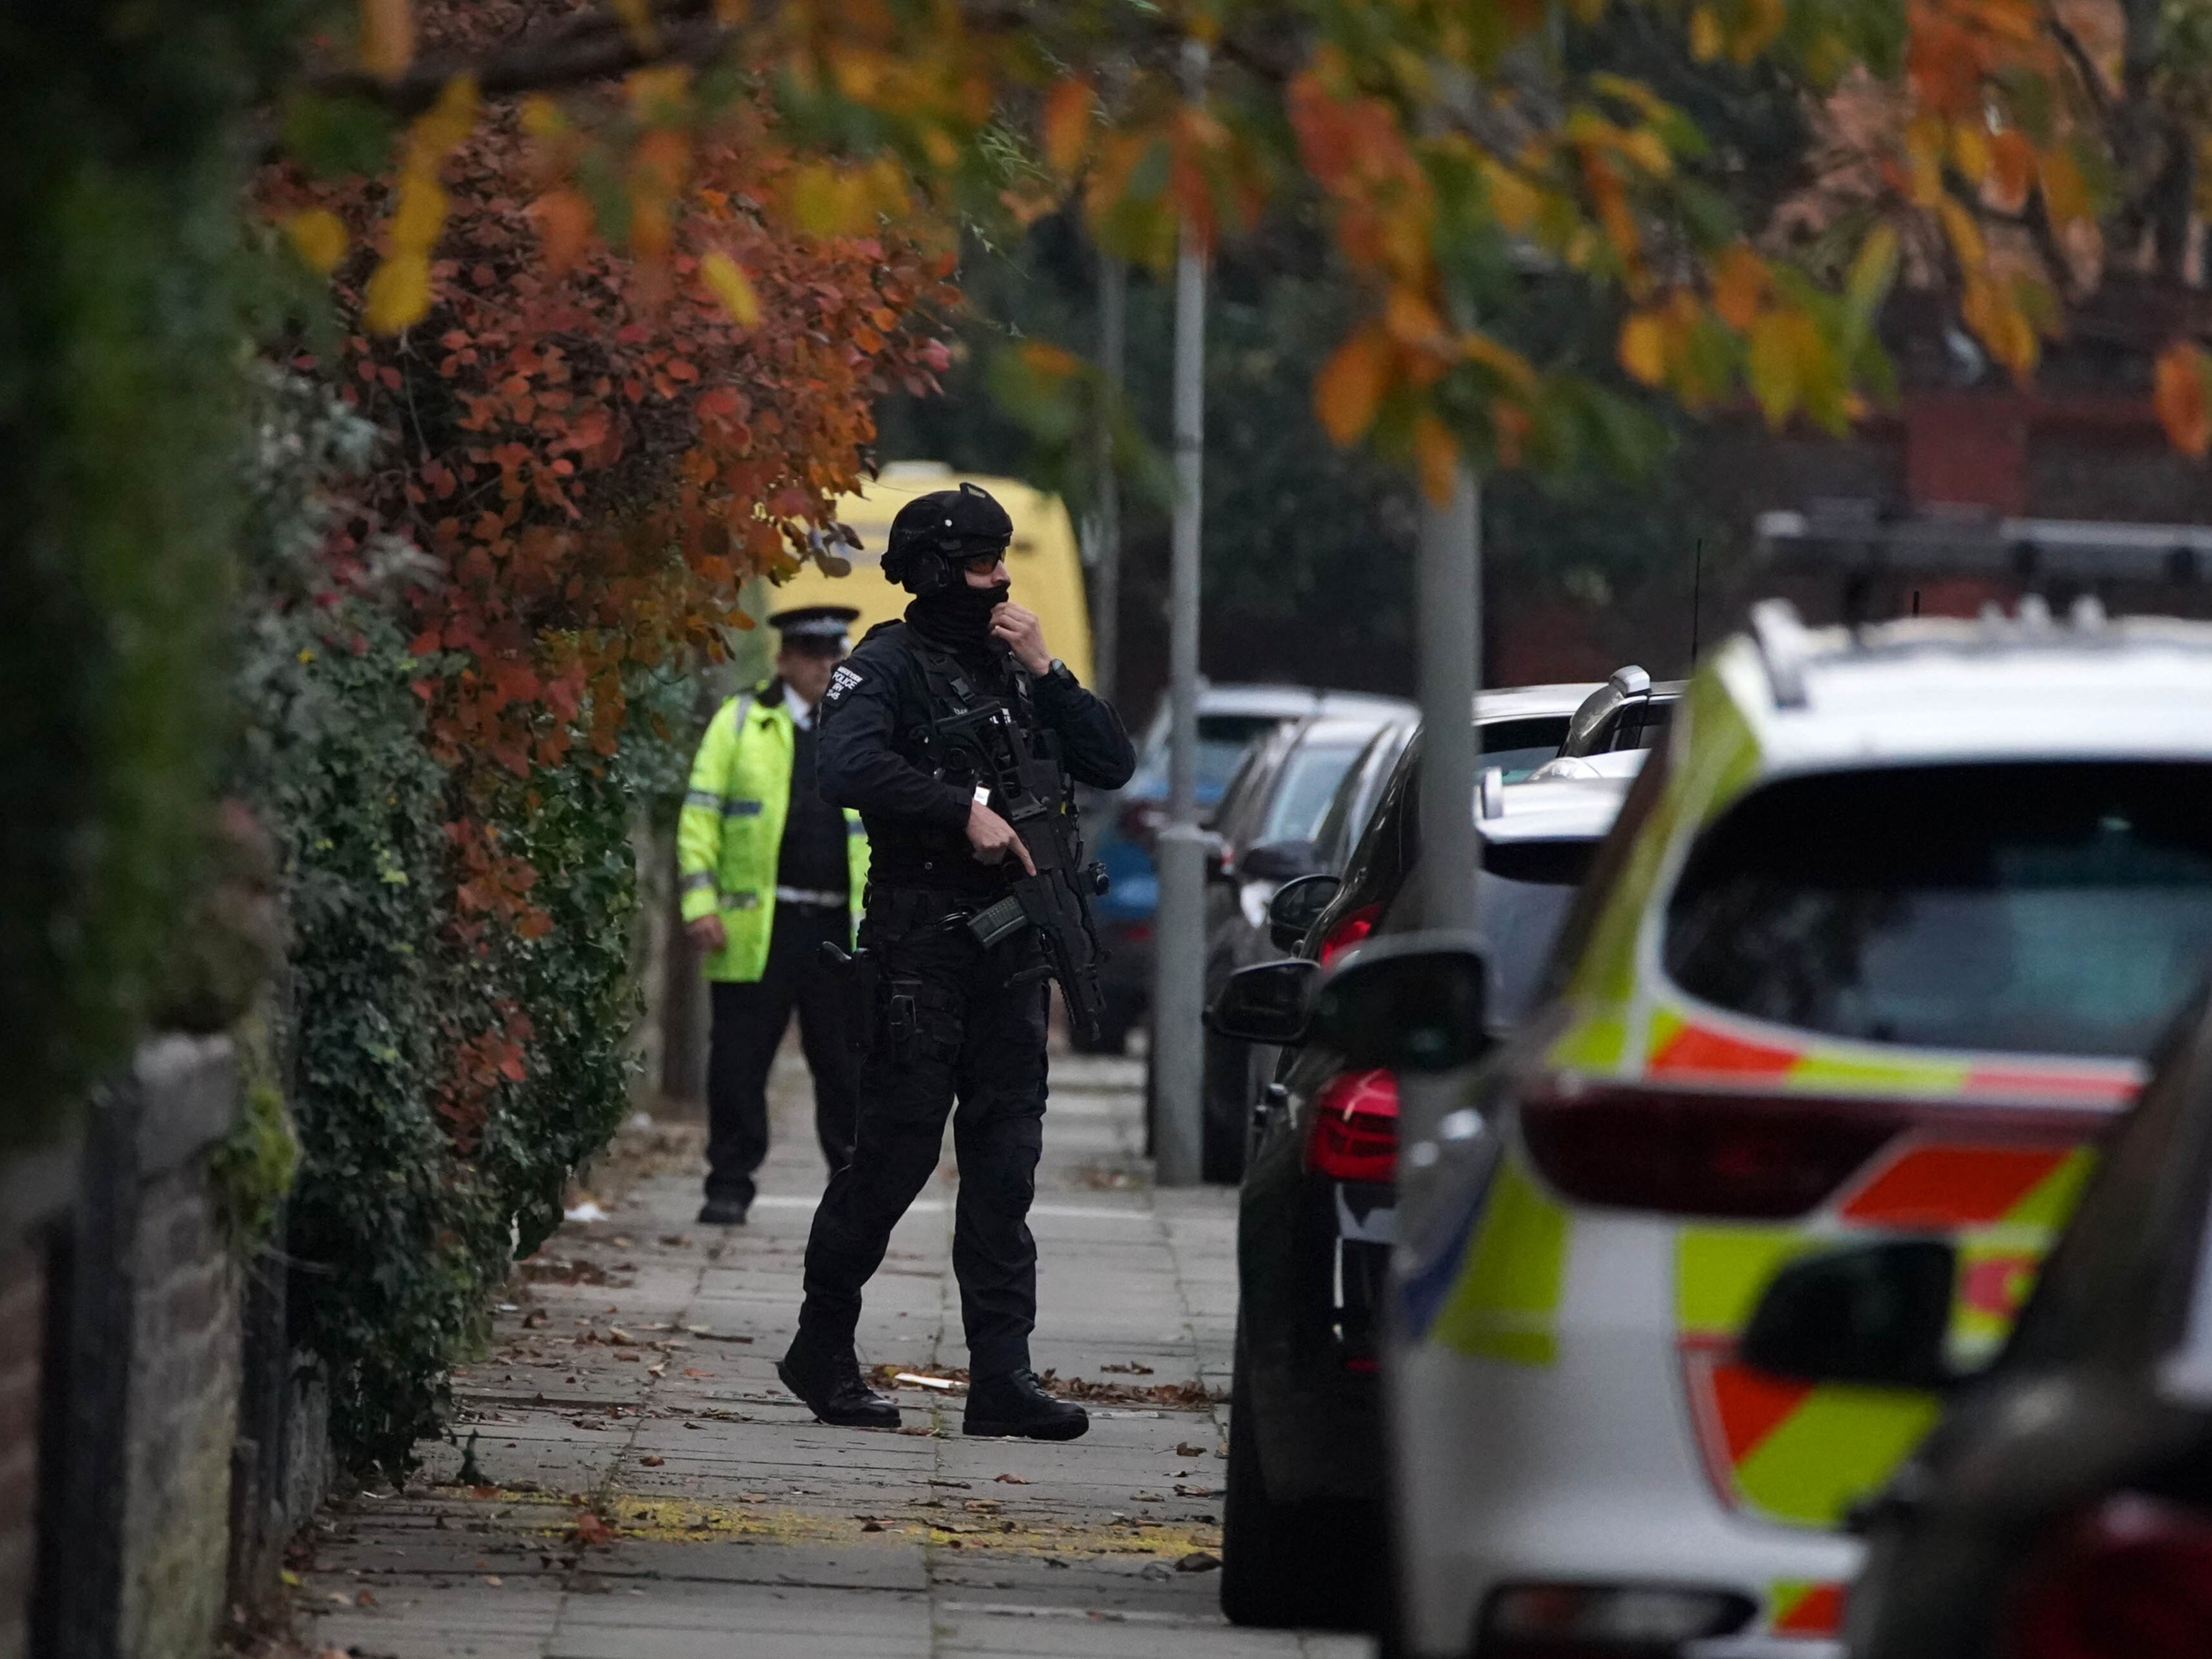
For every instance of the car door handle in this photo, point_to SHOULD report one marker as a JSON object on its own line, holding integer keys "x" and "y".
{"x": 1272, "y": 1098}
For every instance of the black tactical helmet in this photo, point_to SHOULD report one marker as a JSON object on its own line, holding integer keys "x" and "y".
{"x": 934, "y": 532}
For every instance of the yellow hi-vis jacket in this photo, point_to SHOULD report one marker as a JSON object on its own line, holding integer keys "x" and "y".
{"x": 731, "y": 829}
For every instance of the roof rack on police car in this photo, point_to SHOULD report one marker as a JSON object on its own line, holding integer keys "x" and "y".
{"x": 1863, "y": 537}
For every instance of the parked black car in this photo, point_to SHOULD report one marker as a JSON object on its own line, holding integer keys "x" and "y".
{"x": 2062, "y": 1509}
{"x": 1121, "y": 826}
{"x": 1302, "y": 1521}
{"x": 1266, "y": 831}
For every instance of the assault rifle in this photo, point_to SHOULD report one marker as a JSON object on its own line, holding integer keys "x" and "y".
{"x": 1030, "y": 792}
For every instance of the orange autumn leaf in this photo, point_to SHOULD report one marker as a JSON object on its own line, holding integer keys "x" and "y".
{"x": 2179, "y": 396}
{"x": 387, "y": 37}
{"x": 1067, "y": 124}
{"x": 1739, "y": 285}
{"x": 1348, "y": 390}
{"x": 564, "y": 225}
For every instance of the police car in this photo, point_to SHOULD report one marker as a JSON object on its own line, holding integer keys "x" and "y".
{"x": 1875, "y": 948}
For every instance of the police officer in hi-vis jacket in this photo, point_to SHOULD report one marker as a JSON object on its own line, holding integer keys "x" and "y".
{"x": 769, "y": 871}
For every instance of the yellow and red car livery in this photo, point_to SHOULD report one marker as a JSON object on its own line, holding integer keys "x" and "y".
{"x": 1574, "y": 1439}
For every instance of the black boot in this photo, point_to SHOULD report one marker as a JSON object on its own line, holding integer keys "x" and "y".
{"x": 830, "y": 1384}
{"x": 1017, "y": 1404}
{"x": 721, "y": 1212}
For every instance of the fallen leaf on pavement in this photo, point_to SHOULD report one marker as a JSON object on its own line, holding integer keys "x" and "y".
{"x": 1130, "y": 1369}
{"x": 694, "y": 1370}
{"x": 917, "y": 1428}
{"x": 494, "y": 1579}
{"x": 1190, "y": 1452}
{"x": 1011, "y": 1480}
{"x": 590, "y": 1529}
{"x": 872, "y": 1526}
{"x": 1194, "y": 1491}
{"x": 365, "y": 1599}
{"x": 653, "y": 1463}
{"x": 1198, "y": 1560}
{"x": 616, "y": 1334}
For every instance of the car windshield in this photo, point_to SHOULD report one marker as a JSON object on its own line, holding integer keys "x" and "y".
{"x": 1523, "y": 895}
{"x": 2053, "y": 907}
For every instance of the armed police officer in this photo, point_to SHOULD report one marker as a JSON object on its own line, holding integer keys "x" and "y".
{"x": 955, "y": 734}
{"x": 769, "y": 871}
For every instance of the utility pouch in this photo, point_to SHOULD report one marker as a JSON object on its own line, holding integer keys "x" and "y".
{"x": 902, "y": 1020}
{"x": 858, "y": 972}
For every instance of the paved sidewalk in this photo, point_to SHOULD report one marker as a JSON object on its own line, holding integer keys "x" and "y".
{"x": 642, "y": 1488}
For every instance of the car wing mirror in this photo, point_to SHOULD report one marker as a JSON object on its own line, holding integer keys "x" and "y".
{"x": 1296, "y": 906}
{"x": 1269, "y": 1003}
{"x": 1875, "y": 1314}
{"x": 1412, "y": 1003}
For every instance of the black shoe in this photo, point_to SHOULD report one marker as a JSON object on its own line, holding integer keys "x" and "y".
{"x": 1017, "y": 1404}
{"x": 831, "y": 1386}
{"x": 722, "y": 1213}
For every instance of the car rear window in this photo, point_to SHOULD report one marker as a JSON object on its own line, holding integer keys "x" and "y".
{"x": 1521, "y": 746}
{"x": 1522, "y": 899}
{"x": 1302, "y": 792}
{"x": 2054, "y": 907}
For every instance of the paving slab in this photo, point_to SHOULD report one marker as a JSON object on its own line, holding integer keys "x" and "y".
{"x": 627, "y": 1479}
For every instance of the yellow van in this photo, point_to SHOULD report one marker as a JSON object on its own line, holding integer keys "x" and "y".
{"x": 1047, "y": 570}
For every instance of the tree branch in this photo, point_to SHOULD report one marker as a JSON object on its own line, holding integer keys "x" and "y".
{"x": 587, "y": 46}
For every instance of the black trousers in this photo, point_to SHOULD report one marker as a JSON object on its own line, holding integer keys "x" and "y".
{"x": 750, "y": 1020}
{"x": 961, "y": 1030}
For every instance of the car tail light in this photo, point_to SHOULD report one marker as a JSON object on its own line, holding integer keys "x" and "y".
{"x": 1704, "y": 1151}
{"x": 1606, "y": 1621}
{"x": 2132, "y": 1580}
{"x": 1352, "y": 1132}
{"x": 1350, "y": 930}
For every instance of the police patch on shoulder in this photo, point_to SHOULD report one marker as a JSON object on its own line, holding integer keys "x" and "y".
{"x": 840, "y": 682}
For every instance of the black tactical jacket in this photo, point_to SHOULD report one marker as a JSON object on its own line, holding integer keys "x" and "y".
{"x": 874, "y": 754}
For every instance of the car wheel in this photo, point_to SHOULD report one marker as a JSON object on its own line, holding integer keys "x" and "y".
{"x": 1291, "y": 1565}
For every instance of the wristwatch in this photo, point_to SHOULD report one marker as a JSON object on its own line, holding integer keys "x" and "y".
{"x": 1062, "y": 672}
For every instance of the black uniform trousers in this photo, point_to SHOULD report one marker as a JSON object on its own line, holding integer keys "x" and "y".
{"x": 959, "y": 1029}
{"x": 750, "y": 1020}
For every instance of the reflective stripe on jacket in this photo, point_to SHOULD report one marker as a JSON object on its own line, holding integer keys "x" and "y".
{"x": 731, "y": 829}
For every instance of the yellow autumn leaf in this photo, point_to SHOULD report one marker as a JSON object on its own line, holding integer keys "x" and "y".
{"x": 1923, "y": 157}
{"x": 440, "y": 129}
{"x": 1964, "y": 234}
{"x": 1773, "y": 367}
{"x": 1705, "y": 34}
{"x": 725, "y": 278}
{"x": 1348, "y": 390}
{"x": 398, "y": 293}
{"x": 420, "y": 216}
{"x": 1643, "y": 346}
{"x": 1647, "y": 150}
{"x": 1508, "y": 364}
{"x": 319, "y": 237}
{"x": 2064, "y": 192}
{"x": 387, "y": 37}
{"x": 1512, "y": 198}
{"x": 1873, "y": 270}
{"x": 1970, "y": 149}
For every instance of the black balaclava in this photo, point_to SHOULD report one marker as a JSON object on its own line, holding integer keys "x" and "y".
{"x": 956, "y": 616}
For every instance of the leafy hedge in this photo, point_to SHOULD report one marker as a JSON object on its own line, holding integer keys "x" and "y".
{"x": 446, "y": 1077}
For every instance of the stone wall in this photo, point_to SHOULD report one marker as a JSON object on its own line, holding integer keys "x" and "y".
{"x": 140, "y": 1376}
